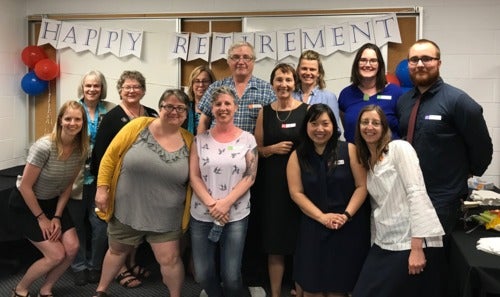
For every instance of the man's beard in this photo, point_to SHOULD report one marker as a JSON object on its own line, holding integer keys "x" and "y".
{"x": 424, "y": 79}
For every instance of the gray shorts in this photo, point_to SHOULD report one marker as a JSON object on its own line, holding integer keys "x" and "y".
{"x": 125, "y": 234}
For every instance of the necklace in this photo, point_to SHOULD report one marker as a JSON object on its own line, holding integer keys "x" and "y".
{"x": 284, "y": 120}
{"x": 130, "y": 113}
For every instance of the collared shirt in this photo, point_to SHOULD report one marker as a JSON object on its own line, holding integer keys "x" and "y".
{"x": 401, "y": 208}
{"x": 451, "y": 140}
{"x": 352, "y": 100}
{"x": 257, "y": 94}
{"x": 321, "y": 96}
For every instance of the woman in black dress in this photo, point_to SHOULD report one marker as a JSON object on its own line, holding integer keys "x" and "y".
{"x": 277, "y": 134}
{"x": 329, "y": 185}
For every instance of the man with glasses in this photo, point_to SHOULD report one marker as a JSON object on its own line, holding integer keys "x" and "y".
{"x": 448, "y": 131}
{"x": 253, "y": 93}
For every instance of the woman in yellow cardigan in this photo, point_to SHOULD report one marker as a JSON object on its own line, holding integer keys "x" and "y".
{"x": 142, "y": 191}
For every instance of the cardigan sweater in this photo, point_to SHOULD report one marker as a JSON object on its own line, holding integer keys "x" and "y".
{"x": 111, "y": 164}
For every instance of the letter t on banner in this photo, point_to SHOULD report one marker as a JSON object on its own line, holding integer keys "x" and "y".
{"x": 386, "y": 29}
{"x": 220, "y": 45}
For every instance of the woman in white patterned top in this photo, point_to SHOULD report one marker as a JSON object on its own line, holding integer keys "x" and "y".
{"x": 223, "y": 165}
{"x": 406, "y": 233}
{"x": 38, "y": 205}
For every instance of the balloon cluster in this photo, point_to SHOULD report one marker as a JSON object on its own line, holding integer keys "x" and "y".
{"x": 402, "y": 76}
{"x": 42, "y": 70}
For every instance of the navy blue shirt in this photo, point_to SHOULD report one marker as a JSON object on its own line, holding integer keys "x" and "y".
{"x": 451, "y": 140}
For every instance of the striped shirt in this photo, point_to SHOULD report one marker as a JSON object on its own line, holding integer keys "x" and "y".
{"x": 55, "y": 175}
{"x": 258, "y": 93}
{"x": 401, "y": 208}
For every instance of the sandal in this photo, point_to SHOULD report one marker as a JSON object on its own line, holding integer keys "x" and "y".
{"x": 101, "y": 294}
{"x": 140, "y": 272}
{"x": 126, "y": 279}
{"x": 15, "y": 294}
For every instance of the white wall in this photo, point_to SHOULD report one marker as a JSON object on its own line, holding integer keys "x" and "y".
{"x": 13, "y": 102}
{"x": 468, "y": 33}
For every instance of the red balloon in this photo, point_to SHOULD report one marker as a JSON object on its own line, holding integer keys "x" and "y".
{"x": 32, "y": 54}
{"x": 46, "y": 69}
{"x": 393, "y": 79}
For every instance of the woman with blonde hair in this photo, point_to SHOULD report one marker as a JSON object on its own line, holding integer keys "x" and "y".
{"x": 38, "y": 204}
{"x": 200, "y": 78}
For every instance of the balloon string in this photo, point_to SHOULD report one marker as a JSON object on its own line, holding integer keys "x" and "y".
{"x": 48, "y": 118}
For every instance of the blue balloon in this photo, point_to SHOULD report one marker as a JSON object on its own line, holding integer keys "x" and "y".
{"x": 403, "y": 74}
{"x": 32, "y": 85}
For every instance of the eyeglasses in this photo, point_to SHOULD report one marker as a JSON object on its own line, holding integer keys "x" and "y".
{"x": 236, "y": 58}
{"x": 365, "y": 61}
{"x": 425, "y": 60}
{"x": 374, "y": 123}
{"x": 170, "y": 108}
{"x": 201, "y": 82}
{"x": 132, "y": 88}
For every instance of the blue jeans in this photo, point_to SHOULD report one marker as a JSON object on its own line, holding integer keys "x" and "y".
{"x": 80, "y": 210}
{"x": 231, "y": 244}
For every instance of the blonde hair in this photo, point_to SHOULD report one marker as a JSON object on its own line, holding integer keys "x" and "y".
{"x": 197, "y": 71}
{"x": 81, "y": 139}
{"x": 314, "y": 56}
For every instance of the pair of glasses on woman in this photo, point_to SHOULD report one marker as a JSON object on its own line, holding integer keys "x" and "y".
{"x": 170, "y": 108}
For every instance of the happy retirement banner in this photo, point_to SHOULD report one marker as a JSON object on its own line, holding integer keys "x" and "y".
{"x": 325, "y": 39}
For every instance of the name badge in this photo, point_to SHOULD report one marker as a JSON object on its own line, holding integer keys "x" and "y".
{"x": 339, "y": 162}
{"x": 384, "y": 97}
{"x": 234, "y": 147}
{"x": 289, "y": 125}
{"x": 433, "y": 117}
{"x": 254, "y": 106}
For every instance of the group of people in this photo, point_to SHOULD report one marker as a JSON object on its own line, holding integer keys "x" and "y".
{"x": 368, "y": 216}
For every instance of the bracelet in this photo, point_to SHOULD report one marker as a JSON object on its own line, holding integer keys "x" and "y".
{"x": 348, "y": 215}
{"x": 57, "y": 217}
{"x": 39, "y": 215}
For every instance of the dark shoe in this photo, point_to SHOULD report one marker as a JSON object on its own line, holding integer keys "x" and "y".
{"x": 127, "y": 280}
{"x": 101, "y": 294}
{"x": 46, "y": 295}
{"x": 94, "y": 276}
{"x": 81, "y": 278}
{"x": 140, "y": 272}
